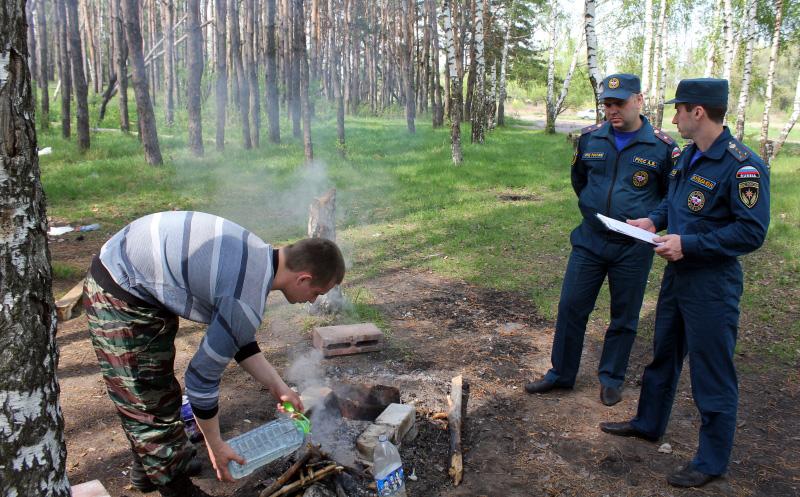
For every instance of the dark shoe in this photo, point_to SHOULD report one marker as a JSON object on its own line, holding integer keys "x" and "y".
{"x": 625, "y": 429}
{"x": 688, "y": 477}
{"x": 194, "y": 467}
{"x": 541, "y": 386}
{"x": 609, "y": 395}
{"x": 181, "y": 486}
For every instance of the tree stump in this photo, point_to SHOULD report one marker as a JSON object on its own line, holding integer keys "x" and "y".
{"x": 322, "y": 224}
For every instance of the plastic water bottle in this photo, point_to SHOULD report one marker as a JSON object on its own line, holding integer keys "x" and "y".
{"x": 189, "y": 423}
{"x": 388, "y": 469}
{"x": 268, "y": 442}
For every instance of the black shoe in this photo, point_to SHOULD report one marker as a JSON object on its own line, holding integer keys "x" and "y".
{"x": 609, "y": 395}
{"x": 542, "y": 386}
{"x": 688, "y": 476}
{"x": 181, "y": 486}
{"x": 194, "y": 467}
{"x": 625, "y": 429}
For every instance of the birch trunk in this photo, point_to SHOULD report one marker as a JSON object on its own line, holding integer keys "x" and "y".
{"x": 491, "y": 101}
{"x": 455, "y": 84}
{"x": 711, "y": 56}
{"x": 550, "y": 100}
{"x": 662, "y": 74}
{"x": 221, "y": 68}
{"x": 273, "y": 110}
{"x": 591, "y": 54}
{"x": 749, "y": 35}
{"x": 727, "y": 32}
{"x": 562, "y": 97}
{"x": 773, "y": 60}
{"x": 651, "y": 98}
{"x": 78, "y": 78}
{"x": 501, "y": 103}
{"x": 791, "y": 122}
{"x": 469, "y": 13}
{"x": 479, "y": 97}
{"x": 168, "y": 18}
{"x": 408, "y": 48}
{"x": 43, "y": 73}
{"x": 194, "y": 59}
{"x": 438, "y": 109}
{"x": 120, "y": 60}
{"x": 144, "y": 106}
{"x": 64, "y": 68}
{"x": 647, "y": 55}
{"x": 32, "y": 448}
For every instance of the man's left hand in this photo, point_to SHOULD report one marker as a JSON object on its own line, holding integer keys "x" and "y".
{"x": 670, "y": 247}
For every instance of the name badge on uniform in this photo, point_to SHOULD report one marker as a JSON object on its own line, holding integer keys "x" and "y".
{"x": 593, "y": 156}
{"x": 642, "y": 161}
{"x": 704, "y": 182}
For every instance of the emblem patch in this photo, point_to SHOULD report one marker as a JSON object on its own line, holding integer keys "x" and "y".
{"x": 710, "y": 184}
{"x": 641, "y": 161}
{"x": 593, "y": 156}
{"x": 747, "y": 172}
{"x": 697, "y": 200}
{"x": 613, "y": 83}
{"x": 674, "y": 172}
{"x": 748, "y": 193}
{"x": 676, "y": 152}
{"x": 640, "y": 178}
{"x": 574, "y": 158}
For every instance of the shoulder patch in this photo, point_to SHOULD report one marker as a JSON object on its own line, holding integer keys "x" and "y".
{"x": 738, "y": 151}
{"x": 664, "y": 137}
{"x": 747, "y": 172}
{"x": 589, "y": 129}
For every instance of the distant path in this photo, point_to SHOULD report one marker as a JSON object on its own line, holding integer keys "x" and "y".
{"x": 562, "y": 125}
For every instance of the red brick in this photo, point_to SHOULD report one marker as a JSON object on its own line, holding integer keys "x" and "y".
{"x": 348, "y": 339}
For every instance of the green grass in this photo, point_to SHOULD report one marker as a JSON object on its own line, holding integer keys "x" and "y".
{"x": 401, "y": 204}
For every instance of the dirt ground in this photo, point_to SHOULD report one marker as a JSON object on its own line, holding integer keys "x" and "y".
{"x": 516, "y": 444}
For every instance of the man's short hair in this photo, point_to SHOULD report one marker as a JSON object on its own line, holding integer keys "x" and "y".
{"x": 716, "y": 114}
{"x": 320, "y": 257}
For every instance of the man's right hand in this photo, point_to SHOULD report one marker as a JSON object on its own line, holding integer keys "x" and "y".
{"x": 221, "y": 454}
{"x": 644, "y": 223}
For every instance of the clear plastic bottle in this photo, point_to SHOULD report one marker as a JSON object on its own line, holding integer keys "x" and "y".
{"x": 388, "y": 469}
{"x": 268, "y": 442}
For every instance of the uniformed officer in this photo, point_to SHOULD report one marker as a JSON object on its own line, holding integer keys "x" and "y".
{"x": 717, "y": 209}
{"x": 620, "y": 169}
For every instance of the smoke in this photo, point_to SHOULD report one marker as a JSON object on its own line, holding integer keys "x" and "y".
{"x": 306, "y": 371}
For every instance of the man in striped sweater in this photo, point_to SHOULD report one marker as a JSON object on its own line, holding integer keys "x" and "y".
{"x": 206, "y": 269}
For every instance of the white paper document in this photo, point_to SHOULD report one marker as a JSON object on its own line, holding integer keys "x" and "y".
{"x": 627, "y": 229}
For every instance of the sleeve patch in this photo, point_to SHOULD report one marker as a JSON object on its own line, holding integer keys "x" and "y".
{"x": 676, "y": 152}
{"x": 747, "y": 172}
{"x": 748, "y": 193}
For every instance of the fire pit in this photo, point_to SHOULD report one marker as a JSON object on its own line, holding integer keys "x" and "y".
{"x": 364, "y": 402}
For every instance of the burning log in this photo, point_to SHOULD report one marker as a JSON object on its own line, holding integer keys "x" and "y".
{"x": 286, "y": 476}
{"x": 322, "y": 224}
{"x": 456, "y": 412}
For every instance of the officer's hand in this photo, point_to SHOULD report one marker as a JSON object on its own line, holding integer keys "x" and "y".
{"x": 669, "y": 247}
{"x": 221, "y": 454}
{"x": 643, "y": 222}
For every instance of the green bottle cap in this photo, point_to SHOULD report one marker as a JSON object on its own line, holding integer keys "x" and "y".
{"x": 299, "y": 418}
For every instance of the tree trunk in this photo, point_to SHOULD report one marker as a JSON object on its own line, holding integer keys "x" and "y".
{"x": 550, "y": 100}
{"x": 64, "y": 68}
{"x": 242, "y": 84}
{"x": 711, "y": 56}
{"x": 562, "y": 97}
{"x": 479, "y": 96}
{"x": 194, "y": 56}
{"x": 455, "y": 84}
{"x": 43, "y": 71}
{"x": 168, "y": 18}
{"x": 469, "y": 10}
{"x": 657, "y": 68}
{"x": 792, "y": 120}
{"x": 251, "y": 63}
{"x": 221, "y": 68}
{"x": 90, "y": 46}
{"x": 78, "y": 78}
{"x": 501, "y": 103}
{"x": 293, "y": 89}
{"x": 773, "y": 60}
{"x": 32, "y": 451}
{"x": 591, "y": 55}
{"x": 120, "y": 59}
{"x": 144, "y": 106}
{"x": 301, "y": 59}
{"x": 647, "y": 55}
{"x": 336, "y": 79}
{"x": 727, "y": 30}
{"x": 408, "y": 56}
{"x": 438, "y": 110}
{"x": 662, "y": 69}
{"x": 749, "y": 35}
{"x": 273, "y": 111}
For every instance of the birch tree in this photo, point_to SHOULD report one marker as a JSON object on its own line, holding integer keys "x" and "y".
{"x": 591, "y": 54}
{"x": 479, "y": 97}
{"x": 550, "y": 99}
{"x": 711, "y": 55}
{"x": 659, "y": 78}
{"x": 773, "y": 60}
{"x": 32, "y": 448}
{"x": 727, "y": 31}
{"x": 792, "y": 120}
{"x": 749, "y": 35}
{"x": 438, "y": 109}
{"x": 647, "y": 55}
{"x": 455, "y": 84}
{"x": 501, "y": 101}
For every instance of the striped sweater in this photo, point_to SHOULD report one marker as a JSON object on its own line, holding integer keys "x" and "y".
{"x": 203, "y": 268}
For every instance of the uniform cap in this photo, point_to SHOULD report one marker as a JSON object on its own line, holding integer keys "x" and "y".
{"x": 702, "y": 91}
{"x": 620, "y": 86}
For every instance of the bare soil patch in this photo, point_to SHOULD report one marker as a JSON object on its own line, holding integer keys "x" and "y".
{"x": 516, "y": 444}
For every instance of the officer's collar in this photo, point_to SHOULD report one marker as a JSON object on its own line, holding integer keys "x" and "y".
{"x": 644, "y": 133}
{"x": 717, "y": 149}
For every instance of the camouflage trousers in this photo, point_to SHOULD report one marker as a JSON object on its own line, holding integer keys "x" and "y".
{"x": 136, "y": 350}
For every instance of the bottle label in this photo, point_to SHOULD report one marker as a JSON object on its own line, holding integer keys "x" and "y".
{"x": 391, "y": 483}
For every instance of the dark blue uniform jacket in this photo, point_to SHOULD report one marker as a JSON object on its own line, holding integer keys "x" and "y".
{"x": 622, "y": 185}
{"x": 719, "y": 205}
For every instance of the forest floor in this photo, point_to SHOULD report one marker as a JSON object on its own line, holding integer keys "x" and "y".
{"x": 516, "y": 444}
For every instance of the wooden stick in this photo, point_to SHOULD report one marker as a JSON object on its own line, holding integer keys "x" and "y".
{"x": 455, "y": 414}
{"x": 286, "y": 476}
{"x": 305, "y": 481}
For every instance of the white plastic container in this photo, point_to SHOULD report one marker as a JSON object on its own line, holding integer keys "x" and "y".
{"x": 388, "y": 469}
{"x": 266, "y": 443}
